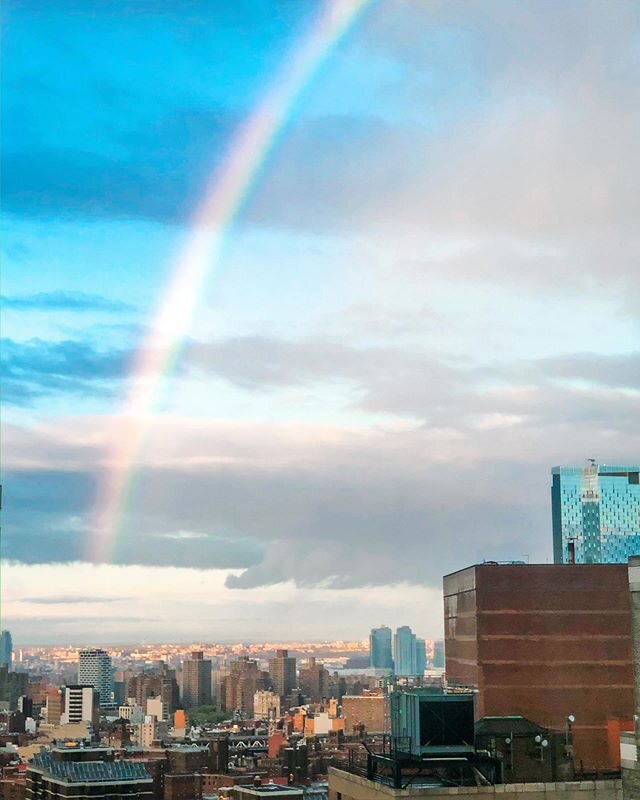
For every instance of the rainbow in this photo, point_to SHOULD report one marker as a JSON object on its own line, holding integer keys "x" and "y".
{"x": 225, "y": 196}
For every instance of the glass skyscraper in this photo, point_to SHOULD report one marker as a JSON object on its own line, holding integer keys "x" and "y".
{"x": 380, "y": 656}
{"x": 6, "y": 649}
{"x": 596, "y": 513}
{"x": 405, "y": 651}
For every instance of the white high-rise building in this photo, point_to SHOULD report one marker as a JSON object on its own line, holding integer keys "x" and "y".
{"x": 95, "y": 669}
{"x": 81, "y": 704}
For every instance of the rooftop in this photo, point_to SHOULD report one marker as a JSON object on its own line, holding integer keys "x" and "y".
{"x": 90, "y": 771}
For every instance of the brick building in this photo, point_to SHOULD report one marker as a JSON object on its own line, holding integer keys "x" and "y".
{"x": 368, "y": 710}
{"x": 547, "y": 642}
{"x": 314, "y": 681}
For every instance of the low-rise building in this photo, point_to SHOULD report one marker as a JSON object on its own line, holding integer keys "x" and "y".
{"x": 48, "y": 778}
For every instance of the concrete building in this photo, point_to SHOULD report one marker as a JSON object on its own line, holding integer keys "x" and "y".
{"x": 282, "y": 671}
{"x": 131, "y": 712}
{"x": 345, "y": 785}
{"x": 95, "y": 669}
{"x": 595, "y": 513}
{"x": 81, "y": 704}
{"x": 549, "y": 642}
{"x": 196, "y": 681}
{"x": 266, "y": 705}
{"x": 272, "y": 790}
{"x": 156, "y": 708}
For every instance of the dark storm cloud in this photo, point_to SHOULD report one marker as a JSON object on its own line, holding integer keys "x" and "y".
{"x": 63, "y": 301}
{"x": 38, "y": 368}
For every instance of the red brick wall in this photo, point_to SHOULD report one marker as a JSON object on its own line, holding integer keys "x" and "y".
{"x": 550, "y": 640}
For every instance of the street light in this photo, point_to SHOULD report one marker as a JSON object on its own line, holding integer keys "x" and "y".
{"x": 542, "y": 744}
{"x": 509, "y": 741}
{"x": 568, "y": 722}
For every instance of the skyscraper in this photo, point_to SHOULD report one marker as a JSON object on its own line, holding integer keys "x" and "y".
{"x": 6, "y": 650}
{"x": 95, "y": 669}
{"x": 421, "y": 656}
{"x": 239, "y": 687}
{"x": 282, "y": 670}
{"x": 595, "y": 513}
{"x": 196, "y": 681}
{"x": 404, "y": 651}
{"x": 314, "y": 681}
{"x": 438, "y": 654}
{"x": 380, "y": 653}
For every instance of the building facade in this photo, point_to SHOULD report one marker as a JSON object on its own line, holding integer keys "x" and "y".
{"x": 239, "y": 687}
{"x": 630, "y": 742}
{"x": 282, "y": 670}
{"x": 54, "y": 706}
{"x": 196, "y": 680}
{"x": 95, "y": 669}
{"x": 314, "y": 681}
{"x": 266, "y": 705}
{"x": 595, "y": 514}
{"x": 80, "y": 704}
{"x": 549, "y": 642}
{"x": 367, "y": 711}
{"x": 380, "y": 649}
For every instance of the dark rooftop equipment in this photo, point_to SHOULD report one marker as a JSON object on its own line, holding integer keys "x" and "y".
{"x": 433, "y": 723}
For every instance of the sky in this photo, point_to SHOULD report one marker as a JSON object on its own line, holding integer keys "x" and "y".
{"x": 428, "y": 297}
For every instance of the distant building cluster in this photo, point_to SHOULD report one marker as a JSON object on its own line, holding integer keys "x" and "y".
{"x": 407, "y": 656}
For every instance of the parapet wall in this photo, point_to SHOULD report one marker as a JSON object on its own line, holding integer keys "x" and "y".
{"x": 345, "y": 786}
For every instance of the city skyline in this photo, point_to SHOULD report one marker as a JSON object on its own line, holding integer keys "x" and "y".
{"x": 425, "y": 295}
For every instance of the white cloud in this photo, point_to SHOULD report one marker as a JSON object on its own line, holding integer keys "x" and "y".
{"x": 169, "y": 604}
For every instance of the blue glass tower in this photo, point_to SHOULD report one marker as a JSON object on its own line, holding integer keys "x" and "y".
{"x": 404, "y": 651}
{"x": 595, "y": 514}
{"x": 6, "y": 649}
{"x": 421, "y": 656}
{"x": 380, "y": 656}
